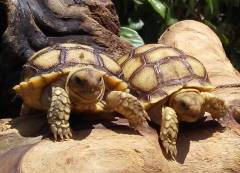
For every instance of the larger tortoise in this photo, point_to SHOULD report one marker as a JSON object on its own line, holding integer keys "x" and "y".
{"x": 172, "y": 86}
{"x": 75, "y": 77}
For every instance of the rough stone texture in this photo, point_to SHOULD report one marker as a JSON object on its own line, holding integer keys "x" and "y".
{"x": 105, "y": 148}
{"x": 35, "y": 24}
{"x": 102, "y": 151}
{"x": 109, "y": 147}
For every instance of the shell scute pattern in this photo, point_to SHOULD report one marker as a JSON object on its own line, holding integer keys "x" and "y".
{"x": 155, "y": 68}
{"x": 59, "y": 57}
{"x": 53, "y": 63}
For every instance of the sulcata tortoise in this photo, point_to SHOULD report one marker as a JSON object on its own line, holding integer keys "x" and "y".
{"x": 75, "y": 77}
{"x": 172, "y": 86}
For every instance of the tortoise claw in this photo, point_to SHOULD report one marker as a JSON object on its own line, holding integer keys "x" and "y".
{"x": 67, "y": 133}
{"x": 170, "y": 148}
{"x": 54, "y": 131}
{"x": 63, "y": 133}
{"x": 60, "y": 133}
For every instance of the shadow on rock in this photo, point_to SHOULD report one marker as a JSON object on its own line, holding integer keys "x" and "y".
{"x": 120, "y": 126}
{"x": 31, "y": 126}
{"x": 191, "y": 132}
{"x": 37, "y": 125}
{"x": 195, "y": 132}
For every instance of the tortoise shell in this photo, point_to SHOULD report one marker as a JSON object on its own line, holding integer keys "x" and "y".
{"x": 154, "y": 71}
{"x": 65, "y": 56}
{"x": 52, "y": 63}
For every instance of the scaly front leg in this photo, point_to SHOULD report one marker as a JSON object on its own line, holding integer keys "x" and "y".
{"x": 129, "y": 106}
{"x": 58, "y": 114}
{"x": 169, "y": 130}
{"x": 215, "y": 106}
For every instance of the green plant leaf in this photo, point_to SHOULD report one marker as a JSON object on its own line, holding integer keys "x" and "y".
{"x": 171, "y": 21}
{"x": 139, "y": 2}
{"x": 135, "y": 25}
{"x": 210, "y": 4}
{"x": 213, "y": 6}
{"x": 168, "y": 18}
{"x": 131, "y": 36}
{"x": 191, "y": 5}
{"x": 159, "y": 7}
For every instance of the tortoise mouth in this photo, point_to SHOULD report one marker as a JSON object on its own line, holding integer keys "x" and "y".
{"x": 88, "y": 95}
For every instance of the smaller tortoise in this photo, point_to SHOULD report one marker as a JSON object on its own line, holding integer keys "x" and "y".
{"x": 172, "y": 86}
{"x": 75, "y": 77}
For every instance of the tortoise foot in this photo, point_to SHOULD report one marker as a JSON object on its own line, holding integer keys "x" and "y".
{"x": 130, "y": 107}
{"x": 169, "y": 130}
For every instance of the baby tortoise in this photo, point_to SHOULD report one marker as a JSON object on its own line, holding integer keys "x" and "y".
{"x": 76, "y": 77}
{"x": 172, "y": 86}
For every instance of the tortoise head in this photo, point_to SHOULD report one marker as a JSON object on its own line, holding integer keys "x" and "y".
{"x": 189, "y": 105}
{"x": 86, "y": 85}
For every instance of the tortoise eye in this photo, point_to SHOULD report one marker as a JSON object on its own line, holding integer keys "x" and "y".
{"x": 100, "y": 80}
{"x": 184, "y": 106}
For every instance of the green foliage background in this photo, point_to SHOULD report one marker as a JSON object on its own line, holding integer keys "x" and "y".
{"x": 149, "y": 18}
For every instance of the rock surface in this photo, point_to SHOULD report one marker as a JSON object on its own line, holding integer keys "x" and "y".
{"x": 105, "y": 147}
